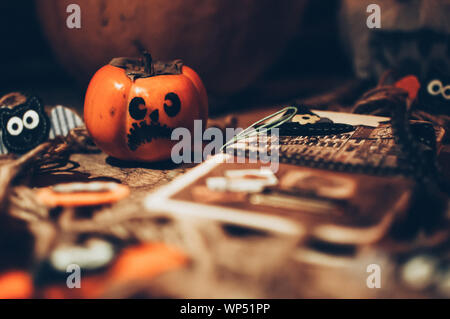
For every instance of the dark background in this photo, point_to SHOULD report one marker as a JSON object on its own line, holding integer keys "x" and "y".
{"x": 312, "y": 62}
{"x": 27, "y": 63}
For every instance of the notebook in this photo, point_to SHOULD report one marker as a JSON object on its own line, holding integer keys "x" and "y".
{"x": 342, "y": 188}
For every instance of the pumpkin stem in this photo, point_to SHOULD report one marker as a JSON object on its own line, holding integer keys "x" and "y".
{"x": 148, "y": 66}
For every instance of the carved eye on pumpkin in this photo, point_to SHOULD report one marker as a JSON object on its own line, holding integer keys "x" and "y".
{"x": 136, "y": 112}
{"x": 172, "y": 105}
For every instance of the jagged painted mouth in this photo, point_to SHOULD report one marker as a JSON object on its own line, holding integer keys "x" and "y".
{"x": 142, "y": 133}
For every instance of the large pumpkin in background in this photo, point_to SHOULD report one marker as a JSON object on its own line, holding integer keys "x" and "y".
{"x": 229, "y": 43}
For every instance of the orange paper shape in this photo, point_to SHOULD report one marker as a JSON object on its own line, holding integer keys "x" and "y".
{"x": 48, "y": 196}
{"x": 16, "y": 285}
{"x": 140, "y": 262}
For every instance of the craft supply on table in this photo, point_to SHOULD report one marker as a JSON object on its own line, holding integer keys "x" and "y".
{"x": 94, "y": 254}
{"x": 131, "y": 265}
{"x": 322, "y": 173}
{"x": 340, "y": 146}
{"x": 82, "y": 194}
{"x": 247, "y": 180}
{"x": 16, "y": 284}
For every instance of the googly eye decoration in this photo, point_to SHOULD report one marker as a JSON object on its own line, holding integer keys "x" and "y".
{"x": 435, "y": 87}
{"x": 14, "y": 126}
{"x": 30, "y": 119}
{"x": 446, "y": 92}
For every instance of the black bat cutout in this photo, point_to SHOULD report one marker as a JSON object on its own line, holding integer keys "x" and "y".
{"x": 24, "y": 126}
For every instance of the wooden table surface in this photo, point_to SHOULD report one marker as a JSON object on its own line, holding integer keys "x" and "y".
{"x": 288, "y": 277}
{"x": 223, "y": 264}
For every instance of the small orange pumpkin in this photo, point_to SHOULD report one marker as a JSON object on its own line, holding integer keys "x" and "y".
{"x": 132, "y": 106}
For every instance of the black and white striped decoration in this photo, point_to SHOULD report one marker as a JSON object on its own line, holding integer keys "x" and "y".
{"x": 62, "y": 120}
{"x": 3, "y": 149}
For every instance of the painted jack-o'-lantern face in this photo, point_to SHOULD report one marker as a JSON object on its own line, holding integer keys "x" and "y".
{"x": 133, "y": 105}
